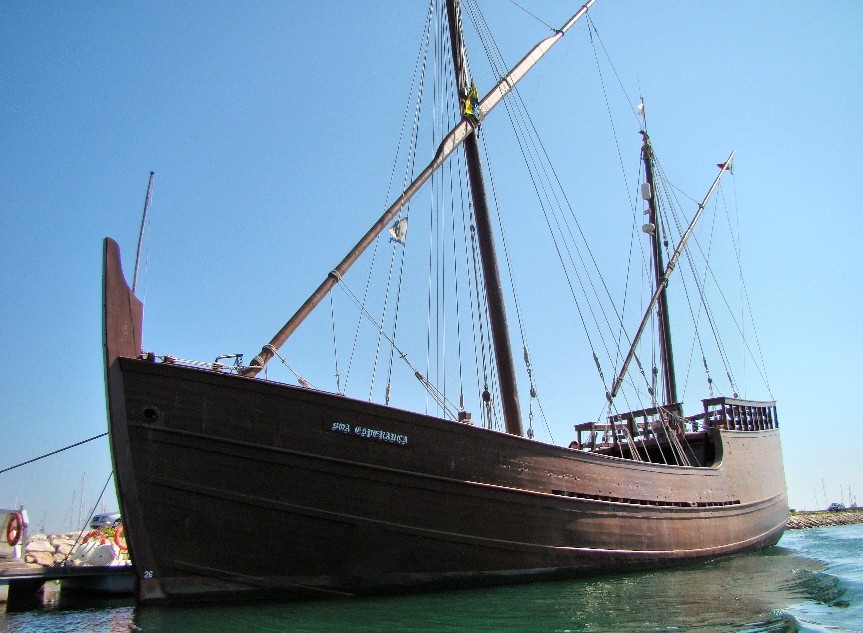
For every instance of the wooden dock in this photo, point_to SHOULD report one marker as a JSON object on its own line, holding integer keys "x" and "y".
{"x": 26, "y": 582}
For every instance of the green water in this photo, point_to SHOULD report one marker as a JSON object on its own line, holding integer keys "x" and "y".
{"x": 812, "y": 581}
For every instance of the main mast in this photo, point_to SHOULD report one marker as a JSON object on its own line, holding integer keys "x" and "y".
{"x": 485, "y": 239}
{"x": 459, "y": 134}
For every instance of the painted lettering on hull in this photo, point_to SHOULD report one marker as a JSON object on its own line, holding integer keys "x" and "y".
{"x": 367, "y": 432}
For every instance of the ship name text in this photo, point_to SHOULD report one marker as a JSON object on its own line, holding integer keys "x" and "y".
{"x": 367, "y": 432}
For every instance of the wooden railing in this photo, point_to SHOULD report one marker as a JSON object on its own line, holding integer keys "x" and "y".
{"x": 740, "y": 415}
{"x": 646, "y": 424}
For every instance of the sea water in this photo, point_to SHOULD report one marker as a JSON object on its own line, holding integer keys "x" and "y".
{"x": 811, "y": 581}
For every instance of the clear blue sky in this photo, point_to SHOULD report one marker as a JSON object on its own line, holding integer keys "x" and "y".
{"x": 271, "y": 127}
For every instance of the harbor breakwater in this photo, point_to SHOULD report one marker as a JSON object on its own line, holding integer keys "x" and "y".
{"x": 48, "y": 550}
{"x": 802, "y": 520}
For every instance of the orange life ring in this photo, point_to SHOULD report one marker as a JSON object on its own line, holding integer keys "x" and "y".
{"x": 117, "y": 542}
{"x": 14, "y": 528}
{"x": 95, "y": 533}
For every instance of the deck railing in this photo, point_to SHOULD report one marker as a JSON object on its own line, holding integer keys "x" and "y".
{"x": 645, "y": 424}
{"x": 740, "y": 415}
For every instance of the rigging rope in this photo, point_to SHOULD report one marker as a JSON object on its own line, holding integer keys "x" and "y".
{"x": 84, "y": 527}
{"x": 482, "y": 343}
{"x": 417, "y": 83}
{"x": 533, "y": 153}
{"x": 458, "y": 291}
{"x": 409, "y": 166}
{"x": 552, "y": 197}
{"x": 622, "y": 333}
{"x": 708, "y": 311}
{"x": 590, "y": 293}
{"x": 447, "y": 406}
{"x": 335, "y": 345}
{"x": 668, "y": 188}
{"x": 302, "y": 381}
{"x": 759, "y": 362}
{"x": 65, "y": 448}
{"x": 541, "y": 21}
{"x": 516, "y": 298}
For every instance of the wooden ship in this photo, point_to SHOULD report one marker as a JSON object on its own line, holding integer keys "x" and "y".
{"x": 366, "y": 498}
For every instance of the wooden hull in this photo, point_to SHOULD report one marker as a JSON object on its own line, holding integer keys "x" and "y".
{"x": 239, "y": 487}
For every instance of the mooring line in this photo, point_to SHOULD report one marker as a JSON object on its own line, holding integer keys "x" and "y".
{"x": 36, "y": 459}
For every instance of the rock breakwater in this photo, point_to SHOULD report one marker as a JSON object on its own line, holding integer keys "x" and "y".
{"x": 47, "y": 550}
{"x": 802, "y": 520}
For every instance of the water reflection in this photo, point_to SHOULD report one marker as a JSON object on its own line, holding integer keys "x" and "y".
{"x": 744, "y": 593}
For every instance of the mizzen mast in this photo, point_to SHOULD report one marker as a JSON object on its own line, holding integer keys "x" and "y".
{"x": 485, "y": 238}
{"x": 656, "y": 241}
{"x": 663, "y": 280}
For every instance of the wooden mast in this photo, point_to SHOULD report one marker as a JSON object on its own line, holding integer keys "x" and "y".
{"x": 449, "y": 144}
{"x": 485, "y": 239}
{"x": 665, "y": 351}
{"x": 663, "y": 280}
